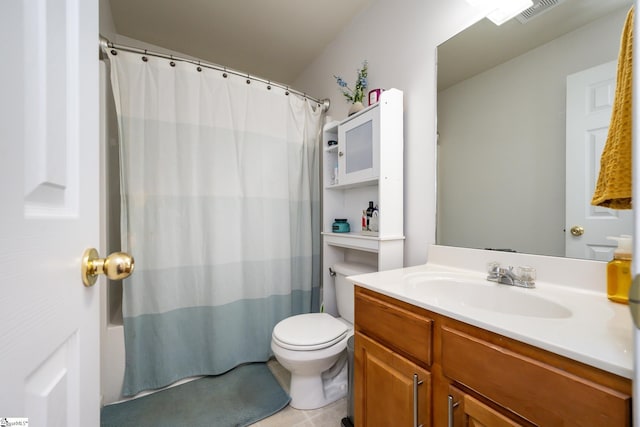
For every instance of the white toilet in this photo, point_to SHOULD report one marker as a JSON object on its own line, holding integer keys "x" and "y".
{"x": 313, "y": 346}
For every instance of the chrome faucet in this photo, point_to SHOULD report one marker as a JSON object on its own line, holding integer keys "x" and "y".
{"x": 523, "y": 277}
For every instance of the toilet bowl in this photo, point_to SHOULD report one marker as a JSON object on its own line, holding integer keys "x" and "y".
{"x": 312, "y": 346}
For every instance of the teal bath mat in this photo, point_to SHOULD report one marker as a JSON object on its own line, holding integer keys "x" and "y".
{"x": 240, "y": 397}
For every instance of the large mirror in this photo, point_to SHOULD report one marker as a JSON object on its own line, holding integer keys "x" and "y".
{"x": 517, "y": 159}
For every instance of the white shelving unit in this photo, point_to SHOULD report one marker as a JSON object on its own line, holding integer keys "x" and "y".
{"x": 368, "y": 159}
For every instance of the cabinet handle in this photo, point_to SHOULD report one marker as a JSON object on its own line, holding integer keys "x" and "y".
{"x": 340, "y": 153}
{"x": 452, "y": 406}
{"x": 416, "y": 383}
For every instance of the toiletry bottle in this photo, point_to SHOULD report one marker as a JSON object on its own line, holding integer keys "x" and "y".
{"x": 373, "y": 224}
{"x": 369, "y": 214}
{"x": 364, "y": 220}
{"x": 619, "y": 271}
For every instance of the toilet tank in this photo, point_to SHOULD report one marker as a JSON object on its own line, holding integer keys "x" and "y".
{"x": 344, "y": 288}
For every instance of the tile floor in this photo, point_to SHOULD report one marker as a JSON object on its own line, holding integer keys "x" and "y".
{"x": 329, "y": 416}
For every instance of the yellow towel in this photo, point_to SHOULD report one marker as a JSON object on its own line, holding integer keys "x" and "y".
{"x": 613, "y": 189}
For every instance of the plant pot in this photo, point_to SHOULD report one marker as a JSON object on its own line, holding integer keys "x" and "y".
{"x": 355, "y": 107}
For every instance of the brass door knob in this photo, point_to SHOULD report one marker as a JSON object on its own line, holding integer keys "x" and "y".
{"x": 577, "y": 230}
{"x": 118, "y": 265}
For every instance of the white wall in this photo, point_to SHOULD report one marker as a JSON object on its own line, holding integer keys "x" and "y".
{"x": 107, "y": 27}
{"x": 399, "y": 39}
{"x": 505, "y": 167}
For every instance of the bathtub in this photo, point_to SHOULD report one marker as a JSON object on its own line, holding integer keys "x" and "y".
{"x": 112, "y": 353}
{"x": 111, "y": 329}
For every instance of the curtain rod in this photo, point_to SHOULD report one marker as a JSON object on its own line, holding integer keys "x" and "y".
{"x": 105, "y": 44}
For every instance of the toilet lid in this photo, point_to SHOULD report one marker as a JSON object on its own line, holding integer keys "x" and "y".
{"x": 311, "y": 331}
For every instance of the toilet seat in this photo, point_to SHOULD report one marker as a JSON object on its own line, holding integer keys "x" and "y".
{"x": 311, "y": 331}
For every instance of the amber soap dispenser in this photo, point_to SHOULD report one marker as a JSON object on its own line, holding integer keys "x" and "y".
{"x": 619, "y": 271}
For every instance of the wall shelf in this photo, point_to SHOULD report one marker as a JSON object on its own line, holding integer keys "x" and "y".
{"x": 332, "y": 149}
{"x": 366, "y": 183}
{"x": 366, "y": 165}
{"x": 357, "y": 241}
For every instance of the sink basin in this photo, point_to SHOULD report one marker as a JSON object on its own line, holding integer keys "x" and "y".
{"x": 458, "y": 290}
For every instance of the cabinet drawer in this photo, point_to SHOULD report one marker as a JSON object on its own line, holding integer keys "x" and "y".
{"x": 534, "y": 390}
{"x": 404, "y": 331}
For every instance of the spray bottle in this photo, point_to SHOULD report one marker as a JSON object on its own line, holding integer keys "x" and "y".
{"x": 619, "y": 271}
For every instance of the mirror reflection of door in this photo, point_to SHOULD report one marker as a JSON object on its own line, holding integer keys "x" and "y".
{"x": 502, "y": 129}
{"x": 590, "y": 95}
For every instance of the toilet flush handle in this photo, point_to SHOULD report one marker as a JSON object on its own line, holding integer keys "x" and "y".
{"x": 331, "y": 272}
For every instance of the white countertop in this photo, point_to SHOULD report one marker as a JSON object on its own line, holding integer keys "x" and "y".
{"x": 597, "y": 332}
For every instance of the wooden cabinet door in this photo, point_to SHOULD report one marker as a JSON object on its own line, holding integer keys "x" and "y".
{"x": 468, "y": 411}
{"x": 386, "y": 385}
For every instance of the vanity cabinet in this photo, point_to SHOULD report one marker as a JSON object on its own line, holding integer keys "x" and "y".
{"x": 475, "y": 377}
{"x": 396, "y": 391}
{"x": 393, "y": 348}
{"x": 362, "y": 161}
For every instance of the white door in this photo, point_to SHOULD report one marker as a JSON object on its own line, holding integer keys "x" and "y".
{"x": 590, "y": 96}
{"x": 49, "y": 322}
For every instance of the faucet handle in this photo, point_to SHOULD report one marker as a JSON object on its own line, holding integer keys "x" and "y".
{"x": 493, "y": 270}
{"x": 526, "y": 274}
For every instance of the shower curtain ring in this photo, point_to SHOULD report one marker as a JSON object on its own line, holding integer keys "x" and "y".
{"x": 225, "y": 72}
{"x": 248, "y": 79}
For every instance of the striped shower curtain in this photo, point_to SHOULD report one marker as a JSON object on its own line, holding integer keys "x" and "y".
{"x": 220, "y": 208}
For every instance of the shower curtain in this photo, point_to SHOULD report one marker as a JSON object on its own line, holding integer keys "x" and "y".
{"x": 220, "y": 209}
